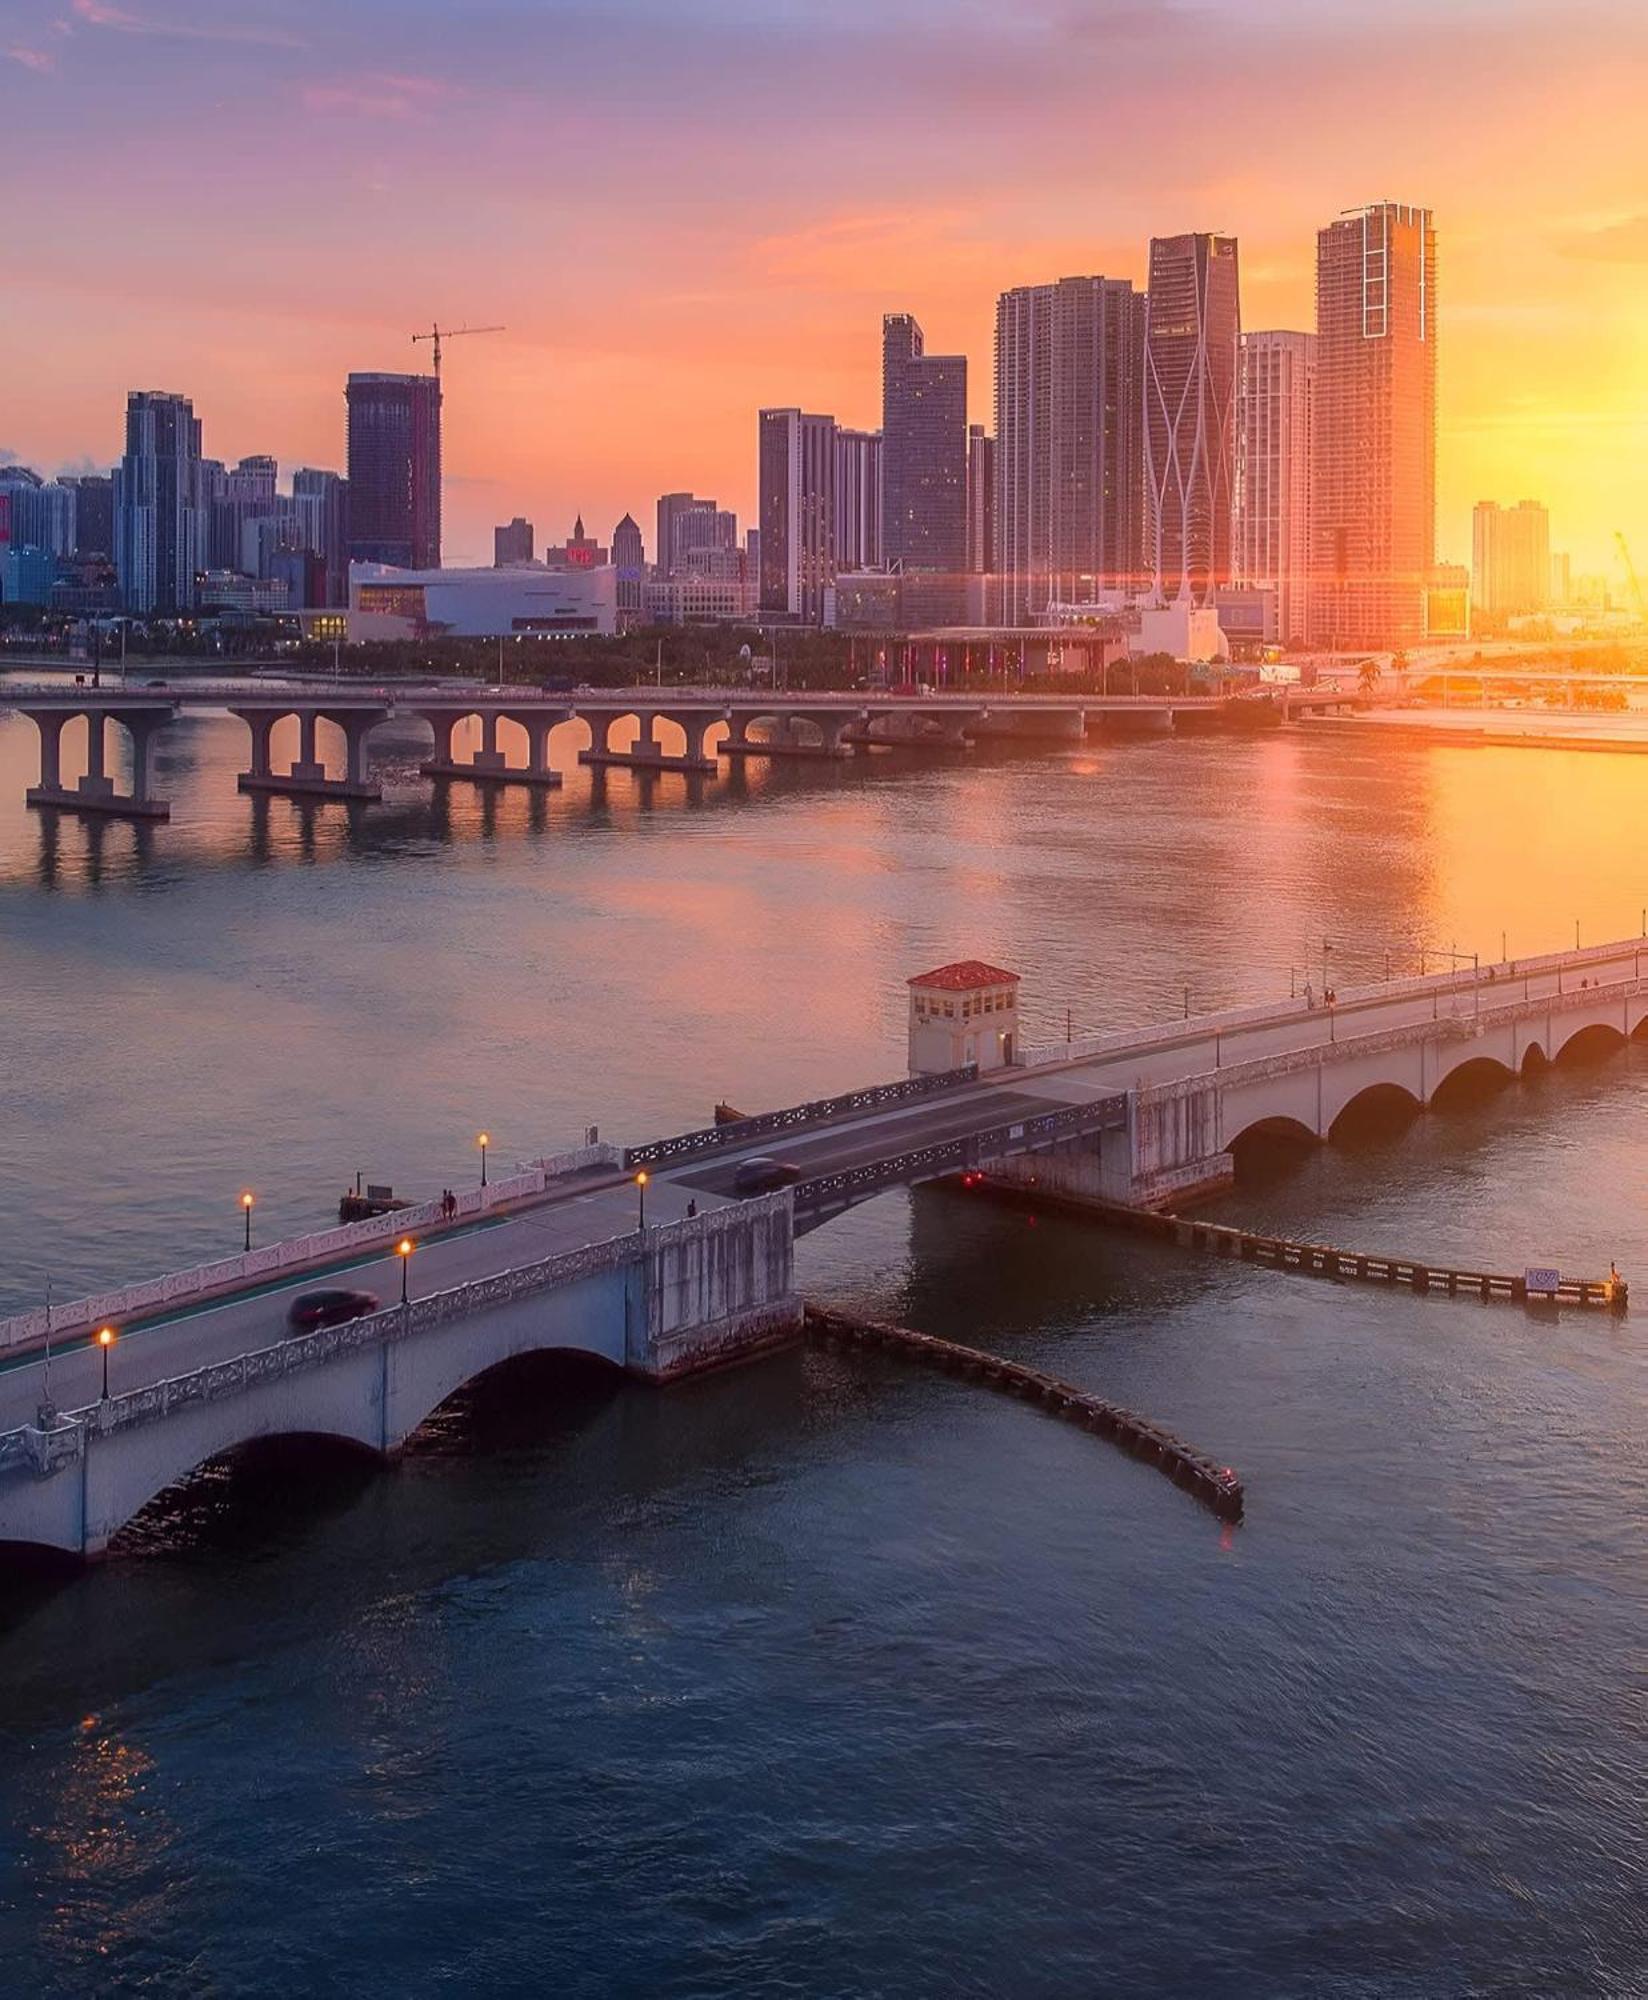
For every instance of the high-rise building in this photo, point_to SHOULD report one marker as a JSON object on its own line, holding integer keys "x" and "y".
{"x": 578, "y": 551}
{"x": 395, "y": 470}
{"x": 1275, "y": 390}
{"x": 1511, "y": 559}
{"x": 924, "y": 468}
{"x": 246, "y": 494}
{"x": 320, "y": 500}
{"x": 513, "y": 544}
{"x": 1069, "y": 482}
{"x": 93, "y": 515}
{"x": 1373, "y": 453}
{"x": 162, "y": 518}
{"x": 43, "y": 512}
{"x": 857, "y": 499}
{"x": 673, "y": 508}
{"x": 1193, "y": 318}
{"x": 629, "y": 558}
{"x": 796, "y": 460}
{"x": 981, "y": 500}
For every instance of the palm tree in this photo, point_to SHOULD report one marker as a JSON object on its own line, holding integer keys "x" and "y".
{"x": 1368, "y": 678}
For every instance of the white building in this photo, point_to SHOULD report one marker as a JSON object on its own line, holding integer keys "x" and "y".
{"x": 1271, "y": 530}
{"x": 963, "y": 1013}
{"x": 698, "y": 600}
{"x": 1511, "y": 547}
{"x": 1186, "y": 631}
{"x": 386, "y": 603}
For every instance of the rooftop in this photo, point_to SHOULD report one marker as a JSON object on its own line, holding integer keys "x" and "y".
{"x": 964, "y": 975}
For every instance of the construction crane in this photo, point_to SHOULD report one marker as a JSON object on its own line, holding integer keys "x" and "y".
{"x": 437, "y": 334}
{"x": 1631, "y": 574}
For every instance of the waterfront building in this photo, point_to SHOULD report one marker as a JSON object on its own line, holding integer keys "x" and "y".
{"x": 38, "y": 513}
{"x": 1511, "y": 559}
{"x": 706, "y": 517}
{"x": 1193, "y": 319}
{"x": 796, "y": 464}
{"x": 1271, "y": 527}
{"x": 629, "y": 558}
{"x": 924, "y": 465}
{"x": 93, "y": 515}
{"x": 699, "y": 600}
{"x": 513, "y": 544}
{"x": 578, "y": 551}
{"x": 1448, "y": 602}
{"x": 234, "y": 590}
{"x": 27, "y": 574}
{"x": 237, "y": 497}
{"x": 320, "y": 500}
{"x": 962, "y": 1014}
{"x": 857, "y": 499}
{"x": 1373, "y": 448}
{"x": 390, "y": 603}
{"x": 162, "y": 515}
{"x": 1069, "y": 495}
{"x": 981, "y": 500}
{"x": 395, "y": 469}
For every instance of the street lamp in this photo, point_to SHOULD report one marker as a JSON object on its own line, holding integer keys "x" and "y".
{"x": 403, "y": 1250}
{"x": 641, "y": 1180}
{"x": 483, "y": 1142}
{"x": 246, "y": 1203}
{"x": 105, "y": 1340}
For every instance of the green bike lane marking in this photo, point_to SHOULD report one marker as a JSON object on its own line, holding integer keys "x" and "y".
{"x": 276, "y": 1282}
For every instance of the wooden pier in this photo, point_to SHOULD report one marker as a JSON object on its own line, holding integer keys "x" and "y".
{"x": 1216, "y": 1486}
{"x": 1323, "y": 1260}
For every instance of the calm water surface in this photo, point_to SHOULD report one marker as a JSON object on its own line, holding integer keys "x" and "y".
{"x": 825, "y": 1677}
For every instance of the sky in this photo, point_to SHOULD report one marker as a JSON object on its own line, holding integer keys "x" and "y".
{"x": 684, "y": 211}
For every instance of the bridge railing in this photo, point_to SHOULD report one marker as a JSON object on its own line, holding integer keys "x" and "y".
{"x": 947, "y": 1156}
{"x": 876, "y": 1097}
{"x": 320, "y": 1246}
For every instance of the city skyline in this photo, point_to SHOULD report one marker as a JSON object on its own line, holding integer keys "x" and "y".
{"x": 642, "y": 376}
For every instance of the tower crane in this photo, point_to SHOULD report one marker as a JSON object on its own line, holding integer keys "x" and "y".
{"x": 1631, "y": 574}
{"x": 438, "y": 333}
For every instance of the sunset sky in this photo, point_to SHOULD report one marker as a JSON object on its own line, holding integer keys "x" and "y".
{"x": 684, "y": 211}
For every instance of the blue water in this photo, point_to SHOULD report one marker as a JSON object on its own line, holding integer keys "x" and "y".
{"x": 828, "y": 1677}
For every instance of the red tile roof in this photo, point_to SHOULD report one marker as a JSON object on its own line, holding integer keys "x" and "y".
{"x": 964, "y": 975}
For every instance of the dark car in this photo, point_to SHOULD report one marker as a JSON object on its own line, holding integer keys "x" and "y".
{"x": 332, "y": 1307}
{"x": 761, "y": 1174}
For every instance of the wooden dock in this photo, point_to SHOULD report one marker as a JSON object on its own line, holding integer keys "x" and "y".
{"x": 1215, "y": 1485}
{"x": 1324, "y": 1260}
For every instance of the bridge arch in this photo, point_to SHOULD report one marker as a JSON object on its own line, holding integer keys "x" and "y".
{"x": 1589, "y": 1042}
{"x": 1375, "y": 1109}
{"x": 269, "y": 1458}
{"x": 1470, "y": 1080}
{"x": 1278, "y": 1130}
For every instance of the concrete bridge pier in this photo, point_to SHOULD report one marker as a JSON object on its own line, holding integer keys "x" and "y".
{"x": 647, "y": 753}
{"x": 308, "y": 776}
{"x": 784, "y": 738}
{"x": 489, "y": 765}
{"x": 95, "y": 792}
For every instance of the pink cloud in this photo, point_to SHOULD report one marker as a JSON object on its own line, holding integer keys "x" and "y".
{"x": 104, "y": 14}
{"x": 379, "y": 95}
{"x": 38, "y": 60}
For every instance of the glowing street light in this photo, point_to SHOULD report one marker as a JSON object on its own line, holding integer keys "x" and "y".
{"x": 483, "y": 1142}
{"x": 247, "y": 1203}
{"x": 105, "y": 1340}
{"x": 403, "y": 1250}
{"x": 641, "y": 1180}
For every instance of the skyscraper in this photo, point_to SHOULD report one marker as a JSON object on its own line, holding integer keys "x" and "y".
{"x": 981, "y": 500}
{"x": 93, "y": 514}
{"x": 796, "y": 459}
{"x": 395, "y": 470}
{"x": 629, "y": 557}
{"x": 1511, "y": 567}
{"x": 513, "y": 543}
{"x": 924, "y": 468}
{"x": 1069, "y": 484}
{"x": 1275, "y": 388}
{"x": 246, "y": 494}
{"x": 161, "y": 514}
{"x": 857, "y": 499}
{"x": 1373, "y": 455}
{"x": 320, "y": 500}
{"x": 671, "y": 506}
{"x": 1192, "y": 321}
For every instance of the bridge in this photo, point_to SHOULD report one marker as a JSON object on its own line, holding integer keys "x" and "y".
{"x": 714, "y": 723}
{"x": 675, "y": 1274}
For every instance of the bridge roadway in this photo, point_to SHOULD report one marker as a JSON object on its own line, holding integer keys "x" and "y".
{"x": 1240, "y": 1046}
